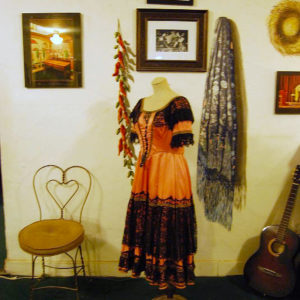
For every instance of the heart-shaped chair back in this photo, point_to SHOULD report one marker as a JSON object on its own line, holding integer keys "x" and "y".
{"x": 69, "y": 187}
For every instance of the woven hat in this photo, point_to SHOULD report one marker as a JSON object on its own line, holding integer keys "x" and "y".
{"x": 284, "y": 27}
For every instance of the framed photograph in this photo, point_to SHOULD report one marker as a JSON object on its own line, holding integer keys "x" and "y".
{"x": 171, "y": 40}
{"x": 52, "y": 50}
{"x": 287, "y": 93}
{"x": 174, "y": 2}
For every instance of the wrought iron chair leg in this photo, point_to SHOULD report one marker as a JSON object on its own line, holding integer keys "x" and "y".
{"x": 76, "y": 289}
{"x": 76, "y": 279}
{"x": 43, "y": 264}
{"x": 82, "y": 261}
{"x": 32, "y": 276}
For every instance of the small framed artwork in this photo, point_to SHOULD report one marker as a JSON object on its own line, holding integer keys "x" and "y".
{"x": 287, "y": 93}
{"x": 174, "y": 2}
{"x": 52, "y": 50}
{"x": 171, "y": 40}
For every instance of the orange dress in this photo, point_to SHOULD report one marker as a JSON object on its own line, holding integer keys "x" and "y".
{"x": 160, "y": 229}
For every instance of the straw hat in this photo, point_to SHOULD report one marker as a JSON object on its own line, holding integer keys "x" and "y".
{"x": 284, "y": 27}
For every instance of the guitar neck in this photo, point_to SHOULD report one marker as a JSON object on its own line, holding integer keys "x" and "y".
{"x": 287, "y": 212}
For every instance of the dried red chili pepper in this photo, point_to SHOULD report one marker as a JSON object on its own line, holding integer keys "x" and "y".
{"x": 122, "y": 90}
{"x": 123, "y": 131}
{"x": 121, "y": 101}
{"x": 120, "y": 41}
{"x": 117, "y": 68}
{"x": 120, "y": 112}
{"x": 120, "y": 55}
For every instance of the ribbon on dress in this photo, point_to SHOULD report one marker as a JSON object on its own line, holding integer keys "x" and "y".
{"x": 217, "y": 149}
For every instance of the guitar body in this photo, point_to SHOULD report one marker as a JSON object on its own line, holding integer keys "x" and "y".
{"x": 271, "y": 270}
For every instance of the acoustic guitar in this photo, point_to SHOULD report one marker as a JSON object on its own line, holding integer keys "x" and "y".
{"x": 271, "y": 270}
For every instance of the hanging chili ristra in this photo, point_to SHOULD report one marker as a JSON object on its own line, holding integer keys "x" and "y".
{"x": 123, "y": 67}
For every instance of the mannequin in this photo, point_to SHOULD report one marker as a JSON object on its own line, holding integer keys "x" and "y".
{"x": 160, "y": 227}
{"x": 162, "y": 95}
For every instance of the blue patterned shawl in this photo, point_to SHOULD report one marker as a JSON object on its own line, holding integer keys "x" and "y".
{"x": 216, "y": 165}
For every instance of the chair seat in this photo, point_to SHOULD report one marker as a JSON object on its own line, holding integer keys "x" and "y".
{"x": 51, "y": 237}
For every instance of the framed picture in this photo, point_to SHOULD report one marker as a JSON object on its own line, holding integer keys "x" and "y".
{"x": 287, "y": 93}
{"x": 174, "y": 2}
{"x": 171, "y": 40}
{"x": 52, "y": 50}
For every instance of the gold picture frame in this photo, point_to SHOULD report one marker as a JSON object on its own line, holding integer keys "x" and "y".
{"x": 52, "y": 50}
{"x": 287, "y": 93}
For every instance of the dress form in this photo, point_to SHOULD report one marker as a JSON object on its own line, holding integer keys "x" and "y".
{"x": 162, "y": 95}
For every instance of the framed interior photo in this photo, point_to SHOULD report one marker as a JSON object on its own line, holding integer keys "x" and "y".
{"x": 171, "y": 40}
{"x": 52, "y": 50}
{"x": 174, "y": 2}
{"x": 287, "y": 93}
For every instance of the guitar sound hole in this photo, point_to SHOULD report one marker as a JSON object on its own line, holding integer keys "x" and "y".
{"x": 278, "y": 247}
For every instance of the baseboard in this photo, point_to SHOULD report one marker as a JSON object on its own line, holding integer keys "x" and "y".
{"x": 110, "y": 268}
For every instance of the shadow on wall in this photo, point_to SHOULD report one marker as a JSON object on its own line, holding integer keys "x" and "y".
{"x": 2, "y": 233}
{"x": 100, "y": 145}
{"x": 242, "y": 114}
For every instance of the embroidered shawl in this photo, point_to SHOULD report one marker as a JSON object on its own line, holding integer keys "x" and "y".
{"x": 216, "y": 164}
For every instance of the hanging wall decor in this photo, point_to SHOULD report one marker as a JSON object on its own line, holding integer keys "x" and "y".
{"x": 171, "y": 40}
{"x": 123, "y": 67}
{"x": 284, "y": 27}
{"x": 287, "y": 93}
{"x": 52, "y": 50}
{"x": 170, "y": 2}
{"x": 217, "y": 149}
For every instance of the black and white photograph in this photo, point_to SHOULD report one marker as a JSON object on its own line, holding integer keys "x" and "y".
{"x": 171, "y": 40}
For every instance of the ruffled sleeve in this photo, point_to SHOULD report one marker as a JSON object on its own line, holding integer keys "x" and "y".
{"x": 134, "y": 116}
{"x": 180, "y": 121}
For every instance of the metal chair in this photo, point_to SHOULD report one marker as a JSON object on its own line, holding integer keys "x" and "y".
{"x": 54, "y": 236}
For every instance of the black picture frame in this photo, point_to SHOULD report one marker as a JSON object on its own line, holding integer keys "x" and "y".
{"x": 52, "y": 50}
{"x": 287, "y": 99}
{"x": 152, "y": 24}
{"x": 171, "y": 2}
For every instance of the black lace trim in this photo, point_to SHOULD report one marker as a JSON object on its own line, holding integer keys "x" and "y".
{"x": 173, "y": 116}
{"x": 184, "y": 139}
{"x": 178, "y": 110}
{"x": 133, "y": 137}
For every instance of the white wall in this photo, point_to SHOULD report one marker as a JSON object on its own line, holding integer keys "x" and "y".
{"x": 77, "y": 126}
